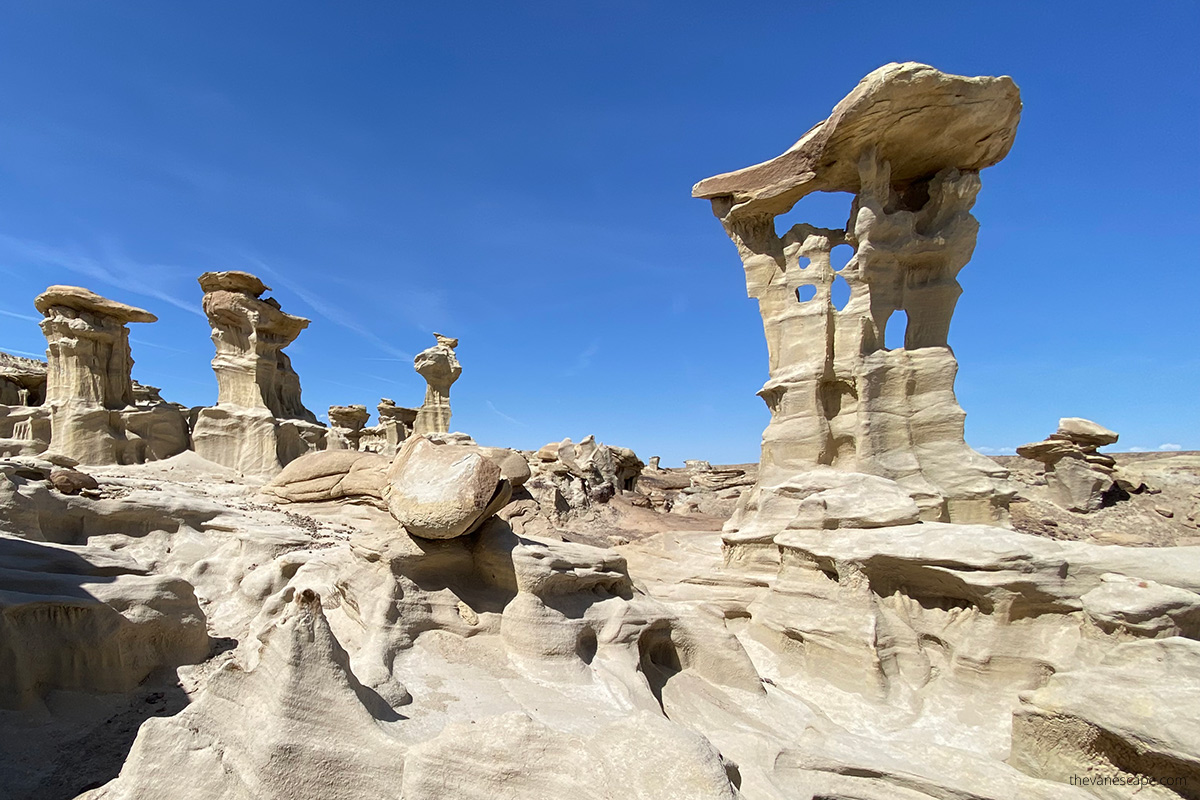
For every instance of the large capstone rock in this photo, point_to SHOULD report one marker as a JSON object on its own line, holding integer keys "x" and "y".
{"x": 443, "y": 491}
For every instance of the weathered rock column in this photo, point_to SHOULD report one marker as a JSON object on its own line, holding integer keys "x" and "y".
{"x": 259, "y": 422}
{"x": 908, "y": 143}
{"x": 89, "y": 389}
{"x": 345, "y": 426}
{"x": 440, "y": 368}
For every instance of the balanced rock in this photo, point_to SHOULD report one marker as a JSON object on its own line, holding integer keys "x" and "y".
{"x": 1077, "y": 475}
{"x": 443, "y": 491}
{"x": 1084, "y": 432}
{"x": 440, "y": 368}
{"x": 909, "y": 142}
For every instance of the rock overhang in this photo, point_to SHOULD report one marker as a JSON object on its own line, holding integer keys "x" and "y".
{"x": 918, "y": 119}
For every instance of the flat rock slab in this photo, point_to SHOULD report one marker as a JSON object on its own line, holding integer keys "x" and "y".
{"x": 919, "y": 119}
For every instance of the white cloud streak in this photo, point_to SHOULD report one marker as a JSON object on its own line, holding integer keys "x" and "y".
{"x": 331, "y": 312}
{"x": 111, "y": 268}
{"x": 504, "y": 416}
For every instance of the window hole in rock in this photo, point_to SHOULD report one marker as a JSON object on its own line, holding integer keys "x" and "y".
{"x": 895, "y": 329}
{"x": 806, "y": 292}
{"x": 840, "y": 293}
{"x": 840, "y": 256}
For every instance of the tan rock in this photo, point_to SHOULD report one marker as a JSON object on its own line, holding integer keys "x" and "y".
{"x": 1074, "y": 725}
{"x": 443, "y": 491}
{"x": 296, "y": 723}
{"x": 256, "y": 384}
{"x": 72, "y": 481}
{"x": 89, "y": 389}
{"x": 1085, "y": 432}
{"x": 440, "y": 368}
{"x": 345, "y": 426}
{"x": 87, "y": 619}
{"x": 909, "y": 141}
{"x": 330, "y": 475}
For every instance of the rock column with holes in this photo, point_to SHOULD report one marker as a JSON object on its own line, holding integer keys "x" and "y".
{"x": 908, "y": 144}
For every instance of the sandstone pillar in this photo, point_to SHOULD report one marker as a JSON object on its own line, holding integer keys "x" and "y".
{"x": 345, "y": 426}
{"x": 907, "y": 144}
{"x": 89, "y": 388}
{"x": 440, "y": 368}
{"x": 259, "y": 423}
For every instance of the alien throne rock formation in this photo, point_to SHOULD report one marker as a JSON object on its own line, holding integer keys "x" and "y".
{"x": 259, "y": 423}
{"x": 908, "y": 143}
{"x": 89, "y": 391}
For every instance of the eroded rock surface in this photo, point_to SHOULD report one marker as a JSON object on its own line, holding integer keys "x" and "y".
{"x": 94, "y": 414}
{"x": 909, "y": 143}
{"x": 259, "y": 423}
{"x": 440, "y": 368}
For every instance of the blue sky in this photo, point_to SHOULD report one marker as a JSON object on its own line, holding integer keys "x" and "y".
{"x": 518, "y": 175}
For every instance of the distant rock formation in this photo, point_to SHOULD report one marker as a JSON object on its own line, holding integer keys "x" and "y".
{"x": 94, "y": 416}
{"x": 345, "y": 427}
{"x": 908, "y": 143}
{"x": 394, "y": 427}
{"x": 24, "y": 421}
{"x": 440, "y": 368}
{"x": 259, "y": 423}
{"x": 1077, "y": 475}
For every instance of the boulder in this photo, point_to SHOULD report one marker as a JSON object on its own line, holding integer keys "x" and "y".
{"x": 72, "y": 481}
{"x": 443, "y": 491}
{"x": 330, "y": 475}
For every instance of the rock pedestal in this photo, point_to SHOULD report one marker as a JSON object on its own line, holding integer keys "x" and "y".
{"x": 908, "y": 144}
{"x": 345, "y": 427}
{"x": 1078, "y": 476}
{"x": 259, "y": 423}
{"x": 89, "y": 390}
{"x": 439, "y": 367}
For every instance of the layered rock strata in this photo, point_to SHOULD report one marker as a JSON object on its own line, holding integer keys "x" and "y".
{"x": 395, "y": 426}
{"x": 908, "y": 143}
{"x": 440, "y": 369}
{"x": 569, "y": 478}
{"x": 345, "y": 427}
{"x": 259, "y": 423}
{"x": 1079, "y": 477}
{"x": 93, "y": 411}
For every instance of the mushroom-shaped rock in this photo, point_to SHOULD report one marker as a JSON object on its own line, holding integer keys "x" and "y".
{"x": 443, "y": 491}
{"x": 916, "y": 117}
{"x": 440, "y": 368}
{"x": 80, "y": 299}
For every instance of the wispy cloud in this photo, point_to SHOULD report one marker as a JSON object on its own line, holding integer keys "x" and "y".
{"x": 111, "y": 268}
{"x": 504, "y": 416}
{"x": 15, "y": 315}
{"x": 997, "y": 451}
{"x": 583, "y": 360}
{"x": 157, "y": 346}
{"x": 1168, "y": 446}
{"x": 334, "y": 313}
{"x": 26, "y": 353}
